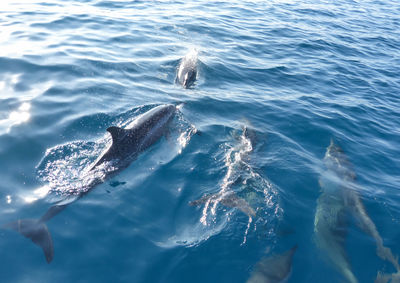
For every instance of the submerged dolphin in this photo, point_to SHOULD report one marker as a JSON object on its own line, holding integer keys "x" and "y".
{"x": 334, "y": 205}
{"x": 236, "y": 167}
{"x": 273, "y": 269}
{"x": 187, "y": 70}
{"x": 126, "y": 145}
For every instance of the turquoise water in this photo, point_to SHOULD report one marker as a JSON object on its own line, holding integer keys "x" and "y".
{"x": 296, "y": 74}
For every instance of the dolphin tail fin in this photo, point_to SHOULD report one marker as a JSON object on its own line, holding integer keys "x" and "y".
{"x": 37, "y": 231}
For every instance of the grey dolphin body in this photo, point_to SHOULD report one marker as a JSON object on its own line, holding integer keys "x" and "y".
{"x": 187, "y": 70}
{"x": 126, "y": 145}
{"x": 337, "y": 201}
{"x": 273, "y": 269}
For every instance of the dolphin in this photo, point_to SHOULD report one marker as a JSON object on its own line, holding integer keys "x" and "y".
{"x": 187, "y": 70}
{"x": 337, "y": 201}
{"x": 273, "y": 269}
{"x": 127, "y": 144}
{"x": 237, "y": 169}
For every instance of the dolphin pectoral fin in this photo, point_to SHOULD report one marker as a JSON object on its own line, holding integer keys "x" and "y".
{"x": 37, "y": 231}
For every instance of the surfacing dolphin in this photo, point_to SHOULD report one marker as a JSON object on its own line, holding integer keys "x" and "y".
{"x": 187, "y": 69}
{"x": 337, "y": 200}
{"x": 126, "y": 145}
{"x": 273, "y": 269}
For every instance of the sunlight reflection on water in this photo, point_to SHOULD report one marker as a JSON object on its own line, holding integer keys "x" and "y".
{"x": 21, "y": 115}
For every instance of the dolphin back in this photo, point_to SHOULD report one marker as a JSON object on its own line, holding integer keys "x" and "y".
{"x": 144, "y": 131}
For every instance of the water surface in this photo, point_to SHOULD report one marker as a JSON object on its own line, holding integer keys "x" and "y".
{"x": 298, "y": 74}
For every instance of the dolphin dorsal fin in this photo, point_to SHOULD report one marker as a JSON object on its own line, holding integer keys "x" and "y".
{"x": 116, "y": 133}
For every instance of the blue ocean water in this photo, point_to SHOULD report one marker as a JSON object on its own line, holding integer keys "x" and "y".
{"x": 296, "y": 74}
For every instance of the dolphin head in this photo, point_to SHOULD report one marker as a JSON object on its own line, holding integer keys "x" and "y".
{"x": 336, "y": 160}
{"x": 334, "y": 150}
{"x": 187, "y": 71}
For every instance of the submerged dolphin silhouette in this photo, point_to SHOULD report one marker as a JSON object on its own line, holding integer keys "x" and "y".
{"x": 273, "y": 269}
{"x": 334, "y": 204}
{"x": 187, "y": 70}
{"x": 126, "y": 145}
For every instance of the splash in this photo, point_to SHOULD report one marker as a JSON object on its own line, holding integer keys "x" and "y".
{"x": 186, "y": 131}
{"x": 64, "y": 167}
{"x": 243, "y": 188}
